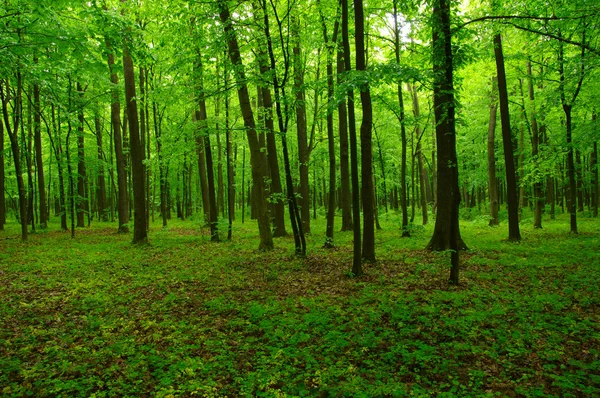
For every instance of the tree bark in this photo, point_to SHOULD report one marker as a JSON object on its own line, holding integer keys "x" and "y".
{"x": 446, "y": 234}
{"x": 101, "y": 184}
{"x": 356, "y": 260}
{"x": 345, "y": 198}
{"x": 491, "y": 155}
{"x": 257, "y": 157}
{"x": 140, "y": 230}
{"x": 514, "y": 233}
{"x": 115, "y": 116}
{"x": 538, "y": 197}
{"x": 2, "y": 196}
{"x": 37, "y": 127}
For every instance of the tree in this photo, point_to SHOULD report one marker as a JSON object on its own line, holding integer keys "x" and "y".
{"x": 491, "y": 155}
{"x": 257, "y": 157}
{"x": 446, "y": 234}
{"x": 511, "y": 181}
{"x": 140, "y": 230}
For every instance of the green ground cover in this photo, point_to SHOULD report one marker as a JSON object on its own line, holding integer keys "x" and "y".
{"x": 182, "y": 316}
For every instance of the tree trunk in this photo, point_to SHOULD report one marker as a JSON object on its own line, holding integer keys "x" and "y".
{"x": 202, "y": 117}
{"x": 446, "y": 234}
{"x": 257, "y": 157}
{"x": 330, "y": 47}
{"x": 81, "y": 201}
{"x": 514, "y": 233}
{"x": 538, "y": 197}
{"x": 115, "y": 116}
{"x": 357, "y": 260}
{"x": 140, "y": 230}
{"x": 594, "y": 168}
{"x": 301, "y": 128}
{"x": 491, "y": 156}
{"x": 37, "y": 126}
{"x": 277, "y": 200}
{"x": 101, "y": 184}
{"x": 422, "y": 171}
{"x": 345, "y": 198}
{"x": 2, "y": 196}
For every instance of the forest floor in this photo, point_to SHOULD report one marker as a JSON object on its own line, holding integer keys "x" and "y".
{"x": 181, "y": 316}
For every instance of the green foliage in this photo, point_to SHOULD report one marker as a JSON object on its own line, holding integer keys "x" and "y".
{"x": 182, "y": 316}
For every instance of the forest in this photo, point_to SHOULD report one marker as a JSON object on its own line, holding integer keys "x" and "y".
{"x": 299, "y": 198}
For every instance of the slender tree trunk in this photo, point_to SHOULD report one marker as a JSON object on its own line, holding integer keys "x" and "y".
{"x": 81, "y": 177}
{"x": 140, "y": 229}
{"x": 101, "y": 185}
{"x": 27, "y": 153}
{"x": 37, "y": 126}
{"x": 14, "y": 144}
{"x": 202, "y": 117}
{"x": 594, "y": 168}
{"x": 301, "y": 128}
{"x": 115, "y": 116}
{"x": 345, "y": 198}
{"x": 514, "y": 233}
{"x": 330, "y": 134}
{"x": 357, "y": 260}
{"x": 538, "y": 196}
{"x": 403, "y": 193}
{"x": 2, "y": 188}
{"x": 265, "y": 94}
{"x": 491, "y": 155}
{"x": 257, "y": 157}
{"x": 422, "y": 171}
{"x": 230, "y": 170}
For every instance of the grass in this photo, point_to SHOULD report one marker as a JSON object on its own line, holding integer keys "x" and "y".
{"x": 182, "y": 316}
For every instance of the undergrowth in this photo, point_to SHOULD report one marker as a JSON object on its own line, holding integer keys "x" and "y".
{"x": 181, "y": 316}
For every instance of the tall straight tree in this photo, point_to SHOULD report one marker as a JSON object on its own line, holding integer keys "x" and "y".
{"x": 491, "y": 155}
{"x": 356, "y": 259}
{"x": 267, "y": 102}
{"x": 140, "y": 230}
{"x": 258, "y": 159}
{"x": 115, "y": 118}
{"x": 330, "y": 45}
{"x": 567, "y": 105}
{"x": 403, "y": 188}
{"x": 345, "y": 196}
{"x": 446, "y": 234}
{"x": 37, "y": 127}
{"x": 100, "y": 183}
{"x": 538, "y": 196}
{"x": 282, "y": 118}
{"x": 12, "y": 130}
{"x": 301, "y": 128}
{"x": 2, "y": 197}
{"x": 81, "y": 178}
{"x": 514, "y": 233}
{"x": 366, "y": 142}
{"x": 202, "y": 117}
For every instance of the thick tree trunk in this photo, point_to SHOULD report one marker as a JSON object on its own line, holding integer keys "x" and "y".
{"x": 345, "y": 198}
{"x": 258, "y": 159}
{"x": 514, "y": 233}
{"x": 491, "y": 156}
{"x": 140, "y": 230}
{"x": 446, "y": 234}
